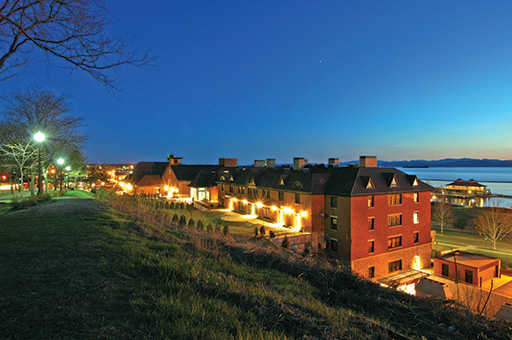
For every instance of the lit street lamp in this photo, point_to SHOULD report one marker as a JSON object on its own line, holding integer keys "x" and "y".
{"x": 60, "y": 161}
{"x": 39, "y": 137}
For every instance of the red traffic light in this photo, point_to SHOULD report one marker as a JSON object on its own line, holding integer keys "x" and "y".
{"x": 3, "y": 177}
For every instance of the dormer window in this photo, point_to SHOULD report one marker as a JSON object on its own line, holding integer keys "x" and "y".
{"x": 370, "y": 184}
{"x": 281, "y": 181}
{"x": 231, "y": 178}
{"x": 393, "y": 183}
{"x": 222, "y": 178}
{"x": 415, "y": 183}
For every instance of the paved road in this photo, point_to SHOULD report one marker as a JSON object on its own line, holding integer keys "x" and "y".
{"x": 474, "y": 241}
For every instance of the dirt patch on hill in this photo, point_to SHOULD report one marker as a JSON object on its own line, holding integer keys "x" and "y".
{"x": 63, "y": 207}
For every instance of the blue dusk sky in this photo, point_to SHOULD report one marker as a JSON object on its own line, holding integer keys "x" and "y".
{"x": 316, "y": 79}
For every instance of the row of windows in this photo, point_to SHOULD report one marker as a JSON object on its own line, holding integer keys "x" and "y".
{"x": 393, "y": 221}
{"x": 264, "y": 193}
{"x": 392, "y": 267}
{"x": 393, "y": 242}
{"x": 394, "y": 199}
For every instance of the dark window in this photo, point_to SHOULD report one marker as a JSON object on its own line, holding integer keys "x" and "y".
{"x": 416, "y": 197}
{"x": 268, "y": 193}
{"x": 394, "y": 220}
{"x": 371, "y": 223}
{"x": 370, "y": 202}
{"x": 334, "y": 245}
{"x": 334, "y": 202}
{"x": 281, "y": 196}
{"x": 241, "y": 207}
{"x": 469, "y": 276}
{"x": 416, "y": 237}
{"x": 395, "y": 266}
{"x": 263, "y": 193}
{"x": 297, "y": 198}
{"x": 230, "y": 188}
{"x": 371, "y": 247}
{"x": 395, "y": 199}
{"x": 334, "y": 223}
{"x": 222, "y": 187}
{"x": 445, "y": 270}
{"x": 394, "y": 242}
{"x": 371, "y": 272}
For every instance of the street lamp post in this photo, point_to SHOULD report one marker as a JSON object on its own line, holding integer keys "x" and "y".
{"x": 39, "y": 137}
{"x": 60, "y": 161}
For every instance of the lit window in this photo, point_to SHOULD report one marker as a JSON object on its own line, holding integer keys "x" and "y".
{"x": 394, "y": 220}
{"x": 394, "y": 183}
{"x": 394, "y": 242}
{"x": 334, "y": 223}
{"x": 416, "y": 197}
{"x": 416, "y": 217}
{"x": 395, "y": 199}
{"x": 370, "y": 201}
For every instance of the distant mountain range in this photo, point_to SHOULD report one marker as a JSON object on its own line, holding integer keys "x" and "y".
{"x": 447, "y": 162}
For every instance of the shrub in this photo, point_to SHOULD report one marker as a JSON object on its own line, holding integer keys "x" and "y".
{"x": 175, "y": 218}
{"x": 286, "y": 243}
{"x": 171, "y": 205}
{"x": 30, "y": 201}
{"x": 191, "y": 223}
{"x": 225, "y": 230}
{"x": 200, "y": 225}
{"x": 271, "y": 234}
{"x": 262, "y": 230}
{"x": 183, "y": 220}
{"x": 256, "y": 231}
{"x": 306, "y": 251}
{"x": 209, "y": 228}
{"x": 217, "y": 228}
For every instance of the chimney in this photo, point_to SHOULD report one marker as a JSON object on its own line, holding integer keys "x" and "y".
{"x": 173, "y": 159}
{"x": 299, "y": 162}
{"x": 271, "y": 162}
{"x": 228, "y": 162}
{"x": 368, "y": 161}
{"x": 334, "y": 162}
{"x": 259, "y": 163}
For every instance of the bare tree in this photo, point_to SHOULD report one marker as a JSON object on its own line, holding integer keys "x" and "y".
{"x": 73, "y": 31}
{"x": 31, "y": 110}
{"x": 16, "y": 149}
{"x": 442, "y": 213}
{"x": 494, "y": 223}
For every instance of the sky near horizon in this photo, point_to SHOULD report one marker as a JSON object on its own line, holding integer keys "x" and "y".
{"x": 400, "y": 80}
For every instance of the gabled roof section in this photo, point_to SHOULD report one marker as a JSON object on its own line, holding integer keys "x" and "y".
{"x": 150, "y": 181}
{"x": 390, "y": 179}
{"x": 353, "y": 181}
{"x": 204, "y": 179}
{"x": 413, "y": 180}
{"x": 186, "y": 172}
{"x": 367, "y": 182}
{"x": 147, "y": 168}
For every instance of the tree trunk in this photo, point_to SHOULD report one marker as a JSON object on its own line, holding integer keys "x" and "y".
{"x": 32, "y": 181}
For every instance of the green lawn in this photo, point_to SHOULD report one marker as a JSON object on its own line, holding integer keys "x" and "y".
{"x": 110, "y": 276}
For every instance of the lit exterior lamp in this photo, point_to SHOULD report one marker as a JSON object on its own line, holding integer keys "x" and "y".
{"x": 60, "y": 161}
{"x": 39, "y": 137}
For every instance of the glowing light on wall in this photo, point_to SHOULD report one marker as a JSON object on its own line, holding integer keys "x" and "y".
{"x": 166, "y": 188}
{"x": 234, "y": 199}
{"x": 273, "y": 208}
{"x": 416, "y": 263}
{"x": 259, "y": 205}
{"x": 244, "y": 201}
{"x": 304, "y": 213}
{"x": 288, "y": 210}
{"x": 230, "y": 207}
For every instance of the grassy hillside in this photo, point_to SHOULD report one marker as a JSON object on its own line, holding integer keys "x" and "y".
{"x": 120, "y": 275}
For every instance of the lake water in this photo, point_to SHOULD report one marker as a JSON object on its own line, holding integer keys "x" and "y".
{"x": 497, "y": 180}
